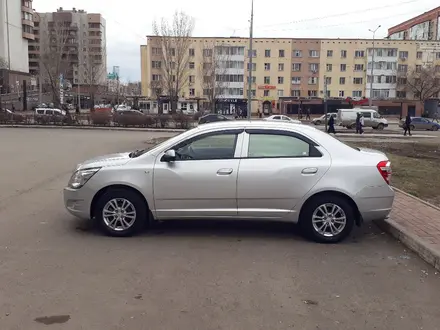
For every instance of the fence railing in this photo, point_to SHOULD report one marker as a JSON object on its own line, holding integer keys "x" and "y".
{"x": 178, "y": 121}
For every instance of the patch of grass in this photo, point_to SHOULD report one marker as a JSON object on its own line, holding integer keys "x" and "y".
{"x": 415, "y": 167}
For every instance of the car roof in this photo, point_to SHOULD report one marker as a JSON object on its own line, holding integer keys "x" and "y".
{"x": 255, "y": 124}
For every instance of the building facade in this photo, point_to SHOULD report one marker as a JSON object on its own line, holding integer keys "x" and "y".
{"x": 298, "y": 72}
{"x": 16, "y": 30}
{"x": 84, "y": 46}
{"x": 422, "y": 27}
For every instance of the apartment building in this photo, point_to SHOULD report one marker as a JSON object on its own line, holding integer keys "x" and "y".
{"x": 288, "y": 74}
{"x": 422, "y": 27}
{"x": 16, "y": 30}
{"x": 84, "y": 46}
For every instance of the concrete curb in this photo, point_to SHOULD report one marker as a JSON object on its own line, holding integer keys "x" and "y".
{"x": 413, "y": 242}
{"x": 109, "y": 128}
{"x": 416, "y": 198}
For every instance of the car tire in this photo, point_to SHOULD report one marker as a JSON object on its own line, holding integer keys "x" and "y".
{"x": 318, "y": 122}
{"x": 435, "y": 128}
{"x": 412, "y": 127}
{"x": 313, "y": 210}
{"x": 121, "y": 224}
{"x": 380, "y": 127}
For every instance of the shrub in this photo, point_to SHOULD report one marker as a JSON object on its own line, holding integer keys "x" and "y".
{"x": 101, "y": 118}
{"x": 182, "y": 121}
{"x": 162, "y": 120}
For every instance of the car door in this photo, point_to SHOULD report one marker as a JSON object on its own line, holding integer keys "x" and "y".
{"x": 202, "y": 181}
{"x": 278, "y": 168}
{"x": 425, "y": 124}
{"x": 367, "y": 119}
{"x": 417, "y": 123}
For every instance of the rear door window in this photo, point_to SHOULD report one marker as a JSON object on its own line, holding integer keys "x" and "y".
{"x": 274, "y": 146}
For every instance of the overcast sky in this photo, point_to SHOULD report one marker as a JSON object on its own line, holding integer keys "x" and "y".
{"x": 129, "y": 21}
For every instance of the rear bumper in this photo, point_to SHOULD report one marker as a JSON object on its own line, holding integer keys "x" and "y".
{"x": 375, "y": 203}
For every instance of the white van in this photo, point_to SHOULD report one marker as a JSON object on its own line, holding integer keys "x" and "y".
{"x": 347, "y": 118}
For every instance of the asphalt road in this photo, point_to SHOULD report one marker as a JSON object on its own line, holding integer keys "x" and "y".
{"x": 60, "y": 273}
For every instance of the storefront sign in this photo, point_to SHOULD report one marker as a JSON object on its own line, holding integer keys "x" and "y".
{"x": 267, "y": 87}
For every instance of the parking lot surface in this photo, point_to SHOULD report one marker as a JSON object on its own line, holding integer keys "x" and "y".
{"x": 60, "y": 272}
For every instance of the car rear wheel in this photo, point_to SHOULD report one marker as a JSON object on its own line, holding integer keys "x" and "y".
{"x": 380, "y": 127}
{"x": 435, "y": 128}
{"x": 327, "y": 219}
{"x": 318, "y": 122}
{"x": 412, "y": 127}
{"x": 121, "y": 212}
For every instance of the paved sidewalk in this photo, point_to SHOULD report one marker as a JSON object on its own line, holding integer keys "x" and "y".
{"x": 416, "y": 224}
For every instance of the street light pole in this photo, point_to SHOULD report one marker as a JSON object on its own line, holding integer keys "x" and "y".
{"x": 370, "y": 99}
{"x": 251, "y": 32}
{"x": 325, "y": 102}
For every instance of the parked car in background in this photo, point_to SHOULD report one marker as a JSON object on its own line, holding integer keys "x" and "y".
{"x": 211, "y": 118}
{"x": 130, "y": 118}
{"x": 45, "y": 115}
{"x": 347, "y": 118}
{"x": 321, "y": 120}
{"x": 245, "y": 170}
{"x": 282, "y": 118}
{"x": 420, "y": 123}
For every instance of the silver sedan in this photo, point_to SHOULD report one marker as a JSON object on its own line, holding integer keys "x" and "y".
{"x": 240, "y": 170}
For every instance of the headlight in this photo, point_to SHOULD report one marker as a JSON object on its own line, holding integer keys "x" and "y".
{"x": 80, "y": 177}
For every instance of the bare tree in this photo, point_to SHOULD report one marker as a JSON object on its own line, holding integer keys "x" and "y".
{"x": 156, "y": 87}
{"x": 213, "y": 71}
{"x": 54, "y": 55}
{"x": 93, "y": 71}
{"x": 423, "y": 82}
{"x": 174, "y": 42}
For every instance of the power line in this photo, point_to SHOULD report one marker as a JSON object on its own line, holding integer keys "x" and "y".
{"x": 340, "y": 14}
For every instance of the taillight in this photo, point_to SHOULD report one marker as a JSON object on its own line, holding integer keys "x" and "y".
{"x": 384, "y": 168}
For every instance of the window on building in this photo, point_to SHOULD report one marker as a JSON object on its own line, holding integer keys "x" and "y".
{"x": 329, "y": 53}
{"x": 280, "y": 66}
{"x": 402, "y": 68}
{"x": 296, "y": 66}
{"x": 403, "y": 55}
{"x": 192, "y": 79}
{"x": 266, "y": 93}
{"x": 297, "y": 53}
{"x": 437, "y": 55}
{"x": 266, "y": 66}
{"x": 401, "y": 94}
{"x": 192, "y": 52}
{"x": 156, "y": 51}
{"x": 341, "y": 93}
{"x": 359, "y": 53}
{"x": 156, "y": 64}
{"x": 328, "y": 80}
{"x": 280, "y": 80}
{"x": 281, "y": 53}
{"x": 358, "y": 67}
{"x": 419, "y": 55}
{"x": 329, "y": 67}
{"x": 314, "y": 67}
{"x": 313, "y": 80}
{"x": 155, "y": 77}
{"x": 343, "y": 67}
{"x": 358, "y": 81}
{"x": 192, "y": 92}
{"x": 437, "y": 68}
{"x": 313, "y": 53}
{"x": 356, "y": 94}
{"x": 312, "y": 93}
{"x": 418, "y": 68}
{"x": 296, "y": 80}
{"x": 341, "y": 80}
{"x": 254, "y": 79}
{"x": 295, "y": 93}
{"x": 267, "y": 80}
{"x": 267, "y": 53}
{"x": 254, "y": 66}
{"x": 207, "y": 52}
{"x": 254, "y": 53}
{"x": 192, "y": 65}
{"x": 343, "y": 54}
{"x": 280, "y": 93}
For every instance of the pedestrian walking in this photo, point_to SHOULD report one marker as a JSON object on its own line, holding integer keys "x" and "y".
{"x": 308, "y": 114}
{"x": 407, "y": 126}
{"x": 361, "y": 124}
{"x": 331, "y": 125}
{"x": 358, "y": 123}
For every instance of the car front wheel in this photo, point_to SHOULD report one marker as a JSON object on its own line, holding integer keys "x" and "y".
{"x": 121, "y": 212}
{"x": 318, "y": 122}
{"x": 327, "y": 219}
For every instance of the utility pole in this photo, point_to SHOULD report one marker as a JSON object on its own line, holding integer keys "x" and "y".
{"x": 370, "y": 99}
{"x": 7, "y": 36}
{"x": 325, "y": 102}
{"x": 251, "y": 34}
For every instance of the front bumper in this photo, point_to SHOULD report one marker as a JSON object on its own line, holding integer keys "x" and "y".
{"x": 78, "y": 202}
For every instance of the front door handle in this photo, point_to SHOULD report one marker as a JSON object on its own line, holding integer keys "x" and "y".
{"x": 225, "y": 171}
{"x": 309, "y": 170}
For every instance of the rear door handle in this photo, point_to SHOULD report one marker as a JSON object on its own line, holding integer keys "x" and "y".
{"x": 225, "y": 171}
{"x": 309, "y": 170}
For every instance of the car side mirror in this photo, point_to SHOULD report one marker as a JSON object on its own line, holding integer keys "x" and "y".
{"x": 169, "y": 156}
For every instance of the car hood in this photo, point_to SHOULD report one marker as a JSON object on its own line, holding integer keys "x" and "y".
{"x": 105, "y": 161}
